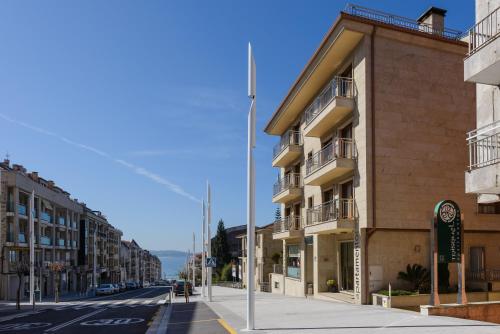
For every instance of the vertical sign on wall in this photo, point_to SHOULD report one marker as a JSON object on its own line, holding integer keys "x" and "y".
{"x": 357, "y": 264}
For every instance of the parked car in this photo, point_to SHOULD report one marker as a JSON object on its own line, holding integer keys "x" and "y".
{"x": 117, "y": 288}
{"x": 146, "y": 284}
{"x": 130, "y": 286}
{"x": 179, "y": 287}
{"x": 105, "y": 289}
{"x": 122, "y": 286}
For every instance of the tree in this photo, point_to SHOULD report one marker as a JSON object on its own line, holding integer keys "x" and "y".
{"x": 56, "y": 269}
{"x": 416, "y": 275}
{"x": 22, "y": 269}
{"x": 220, "y": 247}
{"x": 277, "y": 214}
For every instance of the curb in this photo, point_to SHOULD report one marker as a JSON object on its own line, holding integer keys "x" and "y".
{"x": 160, "y": 322}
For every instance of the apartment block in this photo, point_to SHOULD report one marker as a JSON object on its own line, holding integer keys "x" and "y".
{"x": 371, "y": 138}
{"x": 125, "y": 261}
{"x": 152, "y": 265}
{"x": 56, "y": 230}
{"x": 482, "y": 177}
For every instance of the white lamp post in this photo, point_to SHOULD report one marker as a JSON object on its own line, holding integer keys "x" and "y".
{"x": 209, "y": 242}
{"x": 203, "y": 249}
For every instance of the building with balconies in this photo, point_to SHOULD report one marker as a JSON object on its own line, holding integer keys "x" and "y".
{"x": 371, "y": 138}
{"x": 56, "y": 230}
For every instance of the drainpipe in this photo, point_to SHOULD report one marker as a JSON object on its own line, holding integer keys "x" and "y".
{"x": 371, "y": 230}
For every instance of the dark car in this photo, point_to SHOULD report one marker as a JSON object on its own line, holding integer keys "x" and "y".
{"x": 179, "y": 288}
{"x": 130, "y": 286}
{"x": 122, "y": 286}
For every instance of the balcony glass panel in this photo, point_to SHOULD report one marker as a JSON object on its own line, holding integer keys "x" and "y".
{"x": 61, "y": 221}
{"x": 21, "y": 209}
{"x": 21, "y": 238}
{"x": 61, "y": 242}
{"x": 45, "y": 241}
{"x": 46, "y": 217}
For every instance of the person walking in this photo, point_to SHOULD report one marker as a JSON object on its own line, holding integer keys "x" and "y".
{"x": 186, "y": 291}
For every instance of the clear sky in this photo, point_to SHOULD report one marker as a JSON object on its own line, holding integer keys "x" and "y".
{"x": 132, "y": 105}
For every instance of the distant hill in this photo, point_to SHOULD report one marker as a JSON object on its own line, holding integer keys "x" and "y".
{"x": 173, "y": 253}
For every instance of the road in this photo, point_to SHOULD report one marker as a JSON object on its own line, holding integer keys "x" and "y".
{"x": 126, "y": 312}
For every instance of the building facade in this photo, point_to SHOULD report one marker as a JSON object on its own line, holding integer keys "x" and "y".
{"x": 482, "y": 68}
{"x": 371, "y": 139}
{"x": 56, "y": 229}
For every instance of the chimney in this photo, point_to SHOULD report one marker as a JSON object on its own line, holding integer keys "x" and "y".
{"x": 432, "y": 21}
{"x": 34, "y": 176}
{"x": 51, "y": 184}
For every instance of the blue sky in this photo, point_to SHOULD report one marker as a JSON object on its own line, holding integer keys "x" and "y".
{"x": 132, "y": 105}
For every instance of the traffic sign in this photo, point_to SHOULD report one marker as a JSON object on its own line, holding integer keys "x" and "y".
{"x": 211, "y": 262}
{"x": 112, "y": 322}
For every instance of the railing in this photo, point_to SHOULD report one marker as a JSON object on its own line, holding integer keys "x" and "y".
{"x": 61, "y": 242}
{"x": 278, "y": 268}
{"x": 484, "y": 31}
{"x": 291, "y": 180}
{"x": 291, "y": 137}
{"x": 333, "y": 210}
{"x": 488, "y": 275}
{"x": 61, "y": 221}
{"x": 341, "y": 148}
{"x": 484, "y": 146}
{"x": 46, "y": 217}
{"x": 339, "y": 86}
{"x": 289, "y": 223}
{"x": 45, "y": 241}
{"x": 21, "y": 209}
{"x": 21, "y": 238}
{"x": 401, "y": 21}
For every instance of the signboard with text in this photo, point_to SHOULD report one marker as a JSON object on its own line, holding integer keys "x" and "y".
{"x": 449, "y": 236}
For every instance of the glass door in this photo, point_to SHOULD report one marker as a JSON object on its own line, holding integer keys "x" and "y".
{"x": 347, "y": 266}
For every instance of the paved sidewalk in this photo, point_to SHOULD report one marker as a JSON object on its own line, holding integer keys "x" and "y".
{"x": 193, "y": 318}
{"x": 281, "y": 314}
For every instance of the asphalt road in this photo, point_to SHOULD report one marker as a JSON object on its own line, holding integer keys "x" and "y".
{"x": 126, "y": 312}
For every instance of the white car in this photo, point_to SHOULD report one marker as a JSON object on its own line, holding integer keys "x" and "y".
{"x": 146, "y": 284}
{"x": 105, "y": 289}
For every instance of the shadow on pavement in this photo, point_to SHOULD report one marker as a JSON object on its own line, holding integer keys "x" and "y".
{"x": 194, "y": 318}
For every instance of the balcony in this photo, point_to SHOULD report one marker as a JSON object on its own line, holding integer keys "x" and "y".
{"x": 61, "y": 221}
{"x": 332, "y": 105}
{"x": 21, "y": 209}
{"x": 333, "y": 161}
{"x": 336, "y": 216}
{"x": 288, "y": 149}
{"x": 45, "y": 241}
{"x": 287, "y": 188}
{"x": 46, "y": 217}
{"x": 61, "y": 242}
{"x": 484, "y": 160}
{"x": 21, "y": 238}
{"x": 73, "y": 243}
{"x": 287, "y": 228}
{"x": 483, "y": 62}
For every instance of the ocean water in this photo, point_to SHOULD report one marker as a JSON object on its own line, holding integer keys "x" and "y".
{"x": 171, "y": 265}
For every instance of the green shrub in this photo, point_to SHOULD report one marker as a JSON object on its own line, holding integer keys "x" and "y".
{"x": 226, "y": 273}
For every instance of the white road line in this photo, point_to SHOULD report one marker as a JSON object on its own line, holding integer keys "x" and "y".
{"x": 65, "y": 324}
{"x": 161, "y": 301}
{"x": 149, "y": 301}
{"x": 132, "y": 302}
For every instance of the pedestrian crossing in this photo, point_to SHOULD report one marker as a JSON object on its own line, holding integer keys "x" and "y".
{"x": 79, "y": 305}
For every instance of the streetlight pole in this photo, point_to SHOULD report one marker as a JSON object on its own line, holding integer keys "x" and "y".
{"x": 209, "y": 242}
{"x": 203, "y": 249}
{"x": 193, "y": 264}
{"x": 251, "y": 192}
{"x": 32, "y": 248}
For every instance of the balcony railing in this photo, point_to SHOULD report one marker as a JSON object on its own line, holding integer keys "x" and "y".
{"x": 21, "y": 209}
{"x": 45, "y": 241}
{"x": 61, "y": 242}
{"x": 290, "y": 137}
{"x": 291, "y": 180}
{"x": 484, "y": 146}
{"x": 73, "y": 243}
{"x": 487, "y": 275}
{"x": 61, "y": 221}
{"x": 289, "y": 223}
{"x": 484, "y": 31}
{"x": 21, "y": 238}
{"x": 46, "y": 217}
{"x": 339, "y": 86}
{"x": 401, "y": 21}
{"x": 341, "y": 148}
{"x": 333, "y": 210}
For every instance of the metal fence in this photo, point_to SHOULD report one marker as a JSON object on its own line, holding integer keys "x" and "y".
{"x": 340, "y": 148}
{"x": 290, "y": 180}
{"x": 484, "y": 31}
{"x": 401, "y": 21}
{"x": 291, "y": 137}
{"x": 339, "y": 86}
{"x": 487, "y": 275}
{"x": 484, "y": 146}
{"x": 289, "y": 223}
{"x": 336, "y": 209}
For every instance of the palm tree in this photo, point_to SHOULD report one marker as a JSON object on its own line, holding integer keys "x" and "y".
{"x": 416, "y": 275}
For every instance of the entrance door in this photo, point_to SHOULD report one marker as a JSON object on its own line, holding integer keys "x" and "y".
{"x": 347, "y": 266}
{"x": 346, "y": 205}
{"x": 296, "y": 218}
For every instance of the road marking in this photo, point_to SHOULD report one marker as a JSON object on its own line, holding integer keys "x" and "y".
{"x": 190, "y": 322}
{"x": 149, "y": 301}
{"x": 21, "y": 326}
{"x": 161, "y": 301}
{"x": 112, "y": 322}
{"x": 65, "y": 324}
{"x": 226, "y": 326}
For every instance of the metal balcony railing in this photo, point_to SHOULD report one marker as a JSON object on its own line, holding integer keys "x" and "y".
{"x": 45, "y": 241}
{"x": 484, "y": 31}
{"x": 401, "y": 21}
{"x": 46, "y": 217}
{"x": 289, "y": 223}
{"x": 487, "y": 275}
{"x": 336, "y": 209}
{"x": 291, "y": 180}
{"x": 21, "y": 238}
{"x": 341, "y": 148}
{"x": 339, "y": 86}
{"x": 61, "y": 221}
{"x": 484, "y": 146}
{"x": 291, "y": 137}
{"x": 61, "y": 242}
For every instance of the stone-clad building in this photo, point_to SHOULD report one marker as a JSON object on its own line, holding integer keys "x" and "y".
{"x": 372, "y": 137}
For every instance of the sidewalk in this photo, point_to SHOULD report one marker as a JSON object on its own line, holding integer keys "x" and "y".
{"x": 281, "y": 314}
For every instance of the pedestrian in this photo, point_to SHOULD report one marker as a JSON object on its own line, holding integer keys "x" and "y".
{"x": 186, "y": 291}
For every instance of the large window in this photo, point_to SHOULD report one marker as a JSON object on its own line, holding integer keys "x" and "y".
{"x": 293, "y": 261}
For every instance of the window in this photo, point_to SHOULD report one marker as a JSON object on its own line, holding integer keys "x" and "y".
{"x": 12, "y": 256}
{"x": 293, "y": 261}
{"x": 310, "y": 202}
{"x": 489, "y": 208}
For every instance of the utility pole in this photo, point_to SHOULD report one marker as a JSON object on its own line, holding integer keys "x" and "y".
{"x": 203, "y": 249}
{"x": 209, "y": 242}
{"x": 94, "y": 267}
{"x": 32, "y": 248}
{"x": 251, "y": 191}
{"x": 194, "y": 258}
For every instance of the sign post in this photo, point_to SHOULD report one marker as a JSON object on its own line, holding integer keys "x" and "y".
{"x": 447, "y": 245}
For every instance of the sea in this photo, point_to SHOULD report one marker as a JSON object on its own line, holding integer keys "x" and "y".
{"x": 171, "y": 265}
